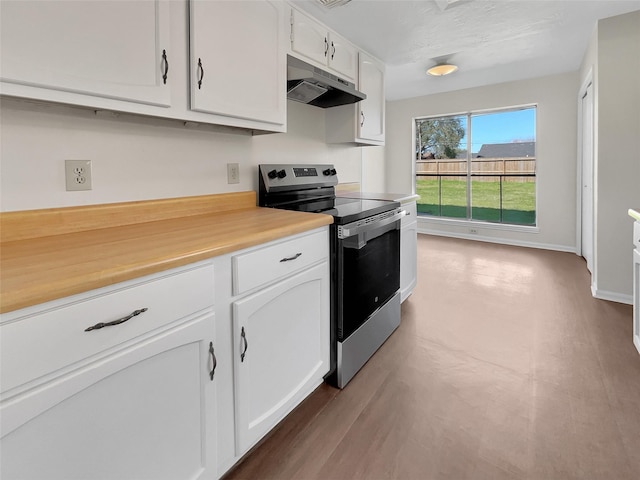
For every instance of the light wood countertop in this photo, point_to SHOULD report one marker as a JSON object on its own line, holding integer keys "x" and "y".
{"x": 37, "y": 269}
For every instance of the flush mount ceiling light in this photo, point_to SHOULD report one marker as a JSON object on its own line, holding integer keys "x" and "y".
{"x": 442, "y": 69}
{"x": 445, "y": 4}
{"x": 332, "y": 3}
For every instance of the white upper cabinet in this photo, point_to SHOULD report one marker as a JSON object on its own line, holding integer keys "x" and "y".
{"x": 238, "y": 59}
{"x": 363, "y": 123}
{"x": 313, "y": 42}
{"x": 73, "y": 52}
{"x": 371, "y": 109}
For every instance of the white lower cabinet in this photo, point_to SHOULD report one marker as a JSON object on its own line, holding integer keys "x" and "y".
{"x": 281, "y": 350}
{"x": 190, "y": 379}
{"x": 275, "y": 333}
{"x": 143, "y": 407}
{"x": 408, "y": 251}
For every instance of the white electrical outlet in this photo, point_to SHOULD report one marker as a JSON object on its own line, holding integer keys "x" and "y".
{"x": 77, "y": 175}
{"x": 233, "y": 173}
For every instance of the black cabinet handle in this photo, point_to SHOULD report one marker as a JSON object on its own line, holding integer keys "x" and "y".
{"x": 166, "y": 66}
{"x": 243, "y": 336}
{"x": 200, "y": 73}
{"x": 213, "y": 359}
{"x": 100, "y": 325}
{"x": 326, "y": 46}
{"x": 362, "y": 114}
{"x": 293, "y": 257}
{"x": 333, "y": 51}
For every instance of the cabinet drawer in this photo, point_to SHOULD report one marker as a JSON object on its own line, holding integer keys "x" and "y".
{"x": 41, "y": 342}
{"x": 636, "y": 234}
{"x": 258, "y": 267}
{"x": 411, "y": 216}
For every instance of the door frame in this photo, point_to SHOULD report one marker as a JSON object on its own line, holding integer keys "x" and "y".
{"x": 579, "y": 183}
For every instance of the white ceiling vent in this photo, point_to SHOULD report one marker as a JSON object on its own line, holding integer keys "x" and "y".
{"x": 332, "y": 3}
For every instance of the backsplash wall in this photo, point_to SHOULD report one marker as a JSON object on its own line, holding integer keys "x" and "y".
{"x": 139, "y": 158}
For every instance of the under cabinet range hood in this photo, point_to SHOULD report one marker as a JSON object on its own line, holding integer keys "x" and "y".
{"x": 312, "y": 85}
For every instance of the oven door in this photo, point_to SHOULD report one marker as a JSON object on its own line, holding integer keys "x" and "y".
{"x": 367, "y": 269}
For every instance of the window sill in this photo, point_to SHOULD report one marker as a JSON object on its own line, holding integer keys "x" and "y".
{"x": 477, "y": 224}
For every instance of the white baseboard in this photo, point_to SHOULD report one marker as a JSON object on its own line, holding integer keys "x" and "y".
{"x": 499, "y": 240}
{"x": 611, "y": 296}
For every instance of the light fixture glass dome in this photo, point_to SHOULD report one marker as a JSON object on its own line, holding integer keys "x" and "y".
{"x": 442, "y": 69}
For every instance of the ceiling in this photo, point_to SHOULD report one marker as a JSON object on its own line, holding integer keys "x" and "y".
{"x": 492, "y": 41}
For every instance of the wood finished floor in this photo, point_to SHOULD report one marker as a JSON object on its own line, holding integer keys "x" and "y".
{"x": 504, "y": 367}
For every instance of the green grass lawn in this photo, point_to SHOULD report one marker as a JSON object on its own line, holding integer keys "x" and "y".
{"x": 518, "y": 200}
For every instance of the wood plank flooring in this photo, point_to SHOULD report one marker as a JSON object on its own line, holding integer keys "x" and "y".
{"x": 504, "y": 367}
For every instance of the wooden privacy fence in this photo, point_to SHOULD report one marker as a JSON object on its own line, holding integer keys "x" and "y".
{"x": 482, "y": 169}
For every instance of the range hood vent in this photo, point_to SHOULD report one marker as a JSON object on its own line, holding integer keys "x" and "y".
{"x": 314, "y": 86}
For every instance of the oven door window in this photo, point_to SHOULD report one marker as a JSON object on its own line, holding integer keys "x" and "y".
{"x": 369, "y": 275}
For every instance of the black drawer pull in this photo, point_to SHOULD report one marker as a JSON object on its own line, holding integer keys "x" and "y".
{"x": 100, "y": 325}
{"x": 200, "y": 73}
{"x": 166, "y": 66}
{"x": 243, "y": 337}
{"x": 214, "y": 360}
{"x": 294, "y": 257}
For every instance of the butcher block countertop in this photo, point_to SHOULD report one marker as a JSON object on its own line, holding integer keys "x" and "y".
{"x": 52, "y": 253}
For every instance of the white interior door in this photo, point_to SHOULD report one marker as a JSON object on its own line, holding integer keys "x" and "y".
{"x": 587, "y": 176}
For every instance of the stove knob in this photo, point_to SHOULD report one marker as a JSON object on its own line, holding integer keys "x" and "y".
{"x": 327, "y": 172}
{"x": 333, "y": 171}
{"x": 272, "y": 174}
{"x": 282, "y": 174}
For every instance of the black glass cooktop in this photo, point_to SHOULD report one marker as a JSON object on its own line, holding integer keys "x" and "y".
{"x": 347, "y": 210}
{"x": 343, "y": 210}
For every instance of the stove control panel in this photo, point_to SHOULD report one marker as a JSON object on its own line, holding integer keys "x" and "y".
{"x": 281, "y": 177}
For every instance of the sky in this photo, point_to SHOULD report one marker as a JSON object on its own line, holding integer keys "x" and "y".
{"x": 501, "y": 127}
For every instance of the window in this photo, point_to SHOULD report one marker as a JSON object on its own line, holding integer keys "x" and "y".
{"x": 478, "y": 166}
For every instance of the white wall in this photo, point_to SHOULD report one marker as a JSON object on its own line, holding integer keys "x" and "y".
{"x": 617, "y": 131}
{"x": 555, "y": 97}
{"x": 373, "y": 170}
{"x": 138, "y": 158}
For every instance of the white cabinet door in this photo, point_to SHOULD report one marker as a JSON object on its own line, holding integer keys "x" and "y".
{"x": 238, "y": 59}
{"x": 281, "y": 350}
{"x": 95, "y": 49}
{"x": 364, "y": 122}
{"x": 636, "y": 298}
{"x": 371, "y": 109}
{"x": 144, "y": 412}
{"x": 312, "y": 41}
{"x": 343, "y": 57}
{"x": 408, "y": 250}
{"x": 408, "y": 259}
{"x": 309, "y": 39}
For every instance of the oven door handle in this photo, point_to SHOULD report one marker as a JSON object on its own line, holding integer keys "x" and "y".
{"x": 356, "y": 228}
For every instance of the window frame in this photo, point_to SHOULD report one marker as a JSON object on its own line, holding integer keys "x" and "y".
{"x": 468, "y": 221}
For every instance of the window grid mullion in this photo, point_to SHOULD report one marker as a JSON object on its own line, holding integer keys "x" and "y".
{"x": 469, "y": 154}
